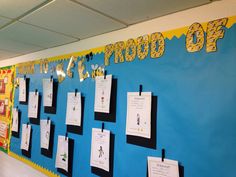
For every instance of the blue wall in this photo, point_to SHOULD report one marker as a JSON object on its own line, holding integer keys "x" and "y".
{"x": 196, "y": 115}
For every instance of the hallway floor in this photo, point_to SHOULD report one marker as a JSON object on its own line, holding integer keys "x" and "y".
{"x": 10, "y": 167}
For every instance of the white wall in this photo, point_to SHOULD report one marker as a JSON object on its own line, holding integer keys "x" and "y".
{"x": 212, "y": 11}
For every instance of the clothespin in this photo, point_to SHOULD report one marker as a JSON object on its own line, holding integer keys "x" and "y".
{"x": 140, "y": 89}
{"x": 24, "y": 77}
{"x": 66, "y": 136}
{"x": 102, "y": 126}
{"x": 76, "y": 92}
{"x": 51, "y": 78}
{"x": 105, "y": 73}
{"x": 87, "y": 57}
{"x": 48, "y": 120}
{"x": 17, "y": 108}
{"x": 36, "y": 90}
{"x": 27, "y": 124}
{"x": 162, "y": 155}
{"x": 91, "y": 55}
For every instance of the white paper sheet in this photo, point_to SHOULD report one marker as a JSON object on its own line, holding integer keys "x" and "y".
{"x": 167, "y": 168}
{"x": 45, "y": 127}
{"x": 15, "y": 120}
{"x": 5, "y": 80}
{"x": 73, "y": 111}
{"x": 25, "y": 138}
{"x": 47, "y": 92}
{"x": 22, "y": 89}
{"x": 33, "y": 104}
{"x": 2, "y": 108}
{"x": 100, "y": 149}
{"x": 138, "y": 120}
{"x": 62, "y": 153}
{"x": 102, "y": 94}
{"x": 6, "y": 101}
{"x": 3, "y": 129}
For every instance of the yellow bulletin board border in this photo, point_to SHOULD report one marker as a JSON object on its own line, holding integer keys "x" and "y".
{"x": 12, "y": 101}
{"x": 9, "y": 95}
{"x": 66, "y": 56}
{"x": 167, "y": 35}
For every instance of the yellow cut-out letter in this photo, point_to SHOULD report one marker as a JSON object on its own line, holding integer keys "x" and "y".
{"x": 108, "y": 52}
{"x": 157, "y": 38}
{"x": 195, "y": 31}
{"x": 214, "y": 32}
{"x": 130, "y": 51}
{"x": 81, "y": 68}
{"x": 119, "y": 47}
{"x": 143, "y": 46}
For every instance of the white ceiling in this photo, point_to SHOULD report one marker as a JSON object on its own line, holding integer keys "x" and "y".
{"x": 4, "y": 21}
{"x": 15, "y": 8}
{"x": 70, "y": 18}
{"x": 28, "y": 26}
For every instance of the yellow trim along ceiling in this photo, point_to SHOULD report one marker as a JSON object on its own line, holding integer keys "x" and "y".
{"x": 167, "y": 34}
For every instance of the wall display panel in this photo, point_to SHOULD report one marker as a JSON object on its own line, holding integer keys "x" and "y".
{"x": 191, "y": 75}
{"x": 6, "y": 94}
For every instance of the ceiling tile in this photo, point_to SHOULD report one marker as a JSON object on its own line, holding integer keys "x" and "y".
{"x": 17, "y": 47}
{"x": 29, "y": 34}
{"x": 15, "y": 8}
{"x": 6, "y": 54}
{"x": 4, "y": 21}
{"x": 134, "y": 11}
{"x": 72, "y": 19}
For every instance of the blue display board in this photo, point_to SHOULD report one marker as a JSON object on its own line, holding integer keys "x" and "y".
{"x": 195, "y": 120}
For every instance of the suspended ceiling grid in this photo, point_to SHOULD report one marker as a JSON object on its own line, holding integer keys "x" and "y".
{"x": 28, "y": 26}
